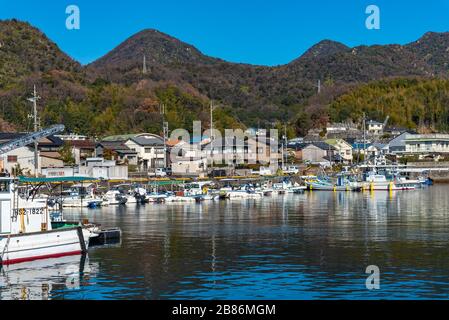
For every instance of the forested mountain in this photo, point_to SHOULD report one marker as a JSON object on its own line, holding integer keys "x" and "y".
{"x": 115, "y": 95}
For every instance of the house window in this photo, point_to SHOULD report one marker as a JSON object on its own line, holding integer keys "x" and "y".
{"x": 147, "y": 150}
{"x": 12, "y": 159}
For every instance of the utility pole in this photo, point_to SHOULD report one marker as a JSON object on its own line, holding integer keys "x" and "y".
{"x": 165, "y": 133}
{"x": 285, "y": 144}
{"x": 319, "y": 86}
{"x": 34, "y": 99}
{"x": 212, "y": 108}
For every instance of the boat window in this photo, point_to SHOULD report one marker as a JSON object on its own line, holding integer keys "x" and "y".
{"x": 4, "y": 186}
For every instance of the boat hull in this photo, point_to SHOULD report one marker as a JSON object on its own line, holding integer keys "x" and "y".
{"x": 19, "y": 248}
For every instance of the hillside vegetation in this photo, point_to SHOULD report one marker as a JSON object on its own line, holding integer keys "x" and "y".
{"x": 113, "y": 94}
{"x": 421, "y": 104}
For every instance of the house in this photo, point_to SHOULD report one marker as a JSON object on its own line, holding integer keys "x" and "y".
{"x": 426, "y": 144}
{"x": 81, "y": 149}
{"x": 374, "y": 128}
{"x": 397, "y": 144}
{"x": 315, "y": 152}
{"x": 341, "y": 128}
{"x": 116, "y": 150}
{"x": 232, "y": 151}
{"x": 296, "y": 149}
{"x": 342, "y": 148}
{"x": 187, "y": 158}
{"x": 151, "y": 151}
{"x": 23, "y": 157}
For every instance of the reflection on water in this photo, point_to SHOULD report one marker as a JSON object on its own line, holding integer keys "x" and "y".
{"x": 39, "y": 279}
{"x": 315, "y": 245}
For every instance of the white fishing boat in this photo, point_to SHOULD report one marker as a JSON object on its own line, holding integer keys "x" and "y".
{"x": 379, "y": 182}
{"x": 80, "y": 196}
{"x": 324, "y": 184}
{"x": 243, "y": 192}
{"x": 265, "y": 189}
{"x": 27, "y": 232}
{"x": 287, "y": 186}
{"x": 129, "y": 193}
{"x": 179, "y": 196}
{"x": 201, "y": 191}
{"x": 156, "y": 197}
{"x": 114, "y": 197}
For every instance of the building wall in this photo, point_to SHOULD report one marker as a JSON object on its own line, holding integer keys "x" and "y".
{"x": 194, "y": 167}
{"x": 51, "y": 163}
{"x": 313, "y": 154}
{"x": 438, "y": 143}
{"x": 59, "y": 172}
{"x": 253, "y": 153}
{"x": 105, "y": 172}
{"x": 25, "y": 158}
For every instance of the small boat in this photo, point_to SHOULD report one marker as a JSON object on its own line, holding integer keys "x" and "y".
{"x": 114, "y": 197}
{"x": 80, "y": 197}
{"x": 156, "y": 197}
{"x": 179, "y": 196}
{"x": 127, "y": 192}
{"x": 243, "y": 192}
{"x": 323, "y": 184}
{"x": 201, "y": 191}
{"x": 379, "y": 182}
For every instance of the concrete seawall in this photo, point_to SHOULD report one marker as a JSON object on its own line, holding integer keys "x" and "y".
{"x": 439, "y": 172}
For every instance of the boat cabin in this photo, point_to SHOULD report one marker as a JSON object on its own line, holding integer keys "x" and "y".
{"x": 19, "y": 215}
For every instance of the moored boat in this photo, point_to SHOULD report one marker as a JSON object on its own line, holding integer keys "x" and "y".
{"x": 27, "y": 232}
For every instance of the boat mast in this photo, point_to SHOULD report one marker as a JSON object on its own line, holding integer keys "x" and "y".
{"x": 35, "y": 120}
{"x": 364, "y": 139}
{"x": 165, "y": 133}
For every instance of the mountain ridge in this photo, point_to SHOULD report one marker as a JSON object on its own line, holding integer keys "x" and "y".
{"x": 252, "y": 94}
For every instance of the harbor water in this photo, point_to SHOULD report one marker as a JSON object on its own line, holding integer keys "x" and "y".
{"x": 315, "y": 245}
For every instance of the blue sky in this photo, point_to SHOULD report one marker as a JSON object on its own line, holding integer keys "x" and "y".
{"x": 262, "y": 32}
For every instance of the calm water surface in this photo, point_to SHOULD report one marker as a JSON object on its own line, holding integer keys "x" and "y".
{"x": 311, "y": 246}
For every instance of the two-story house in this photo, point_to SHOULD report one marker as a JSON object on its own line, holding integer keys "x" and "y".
{"x": 151, "y": 151}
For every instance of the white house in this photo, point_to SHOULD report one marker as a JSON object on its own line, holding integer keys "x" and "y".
{"x": 374, "y": 128}
{"x": 150, "y": 150}
{"x": 426, "y": 143}
{"x": 342, "y": 148}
